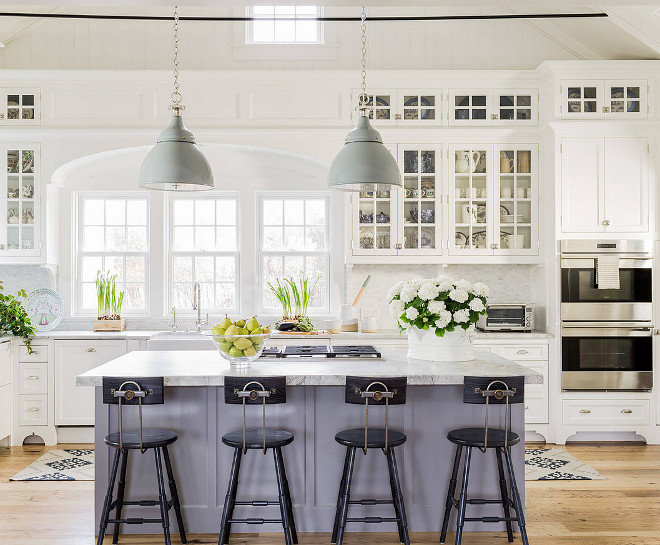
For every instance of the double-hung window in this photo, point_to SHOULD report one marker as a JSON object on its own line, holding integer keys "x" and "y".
{"x": 113, "y": 237}
{"x": 284, "y": 25}
{"x": 203, "y": 247}
{"x": 294, "y": 241}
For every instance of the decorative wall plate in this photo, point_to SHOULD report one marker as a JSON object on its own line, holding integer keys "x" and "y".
{"x": 45, "y": 309}
{"x": 461, "y": 239}
{"x": 428, "y": 237}
{"x": 481, "y": 213}
{"x": 479, "y": 239}
{"x": 504, "y": 211}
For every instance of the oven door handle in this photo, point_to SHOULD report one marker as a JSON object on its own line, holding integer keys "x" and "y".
{"x": 587, "y": 329}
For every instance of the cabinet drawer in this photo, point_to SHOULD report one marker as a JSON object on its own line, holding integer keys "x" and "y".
{"x": 39, "y": 353}
{"x": 606, "y": 412}
{"x": 33, "y": 410}
{"x": 536, "y": 408}
{"x": 524, "y": 352}
{"x": 5, "y": 408}
{"x": 33, "y": 378}
{"x": 487, "y": 347}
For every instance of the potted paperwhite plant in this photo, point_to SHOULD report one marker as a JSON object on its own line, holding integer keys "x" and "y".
{"x": 110, "y": 300}
{"x": 438, "y": 314}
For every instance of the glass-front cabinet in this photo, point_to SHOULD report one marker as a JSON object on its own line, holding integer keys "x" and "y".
{"x": 493, "y": 200}
{"x": 20, "y": 107}
{"x": 402, "y": 106}
{"x": 19, "y": 227}
{"x": 493, "y": 107}
{"x": 375, "y": 221}
{"x": 604, "y": 99}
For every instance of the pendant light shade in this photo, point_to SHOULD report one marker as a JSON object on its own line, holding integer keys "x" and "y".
{"x": 176, "y": 163}
{"x": 364, "y": 162}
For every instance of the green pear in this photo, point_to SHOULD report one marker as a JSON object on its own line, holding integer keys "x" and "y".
{"x": 243, "y": 331}
{"x": 249, "y": 351}
{"x": 257, "y": 345}
{"x": 235, "y": 352}
{"x": 252, "y": 324}
{"x": 226, "y": 346}
{"x": 239, "y": 323}
{"x": 256, "y": 334}
{"x": 242, "y": 343}
{"x": 225, "y": 323}
{"x": 231, "y": 331}
{"x": 267, "y": 329}
{"x": 217, "y": 330}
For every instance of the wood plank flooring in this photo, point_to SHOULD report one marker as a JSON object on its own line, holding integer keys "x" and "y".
{"x": 624, "y": 509}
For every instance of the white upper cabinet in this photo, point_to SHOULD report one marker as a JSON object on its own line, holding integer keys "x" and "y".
{"x": 19, "y": 200}
{"x": 489, "y": 108}
{"x": 20, "y": 107}
{"x": 604, "y": 185}
{"x": 604, "y": 99}
{"x": 402, "y": 107}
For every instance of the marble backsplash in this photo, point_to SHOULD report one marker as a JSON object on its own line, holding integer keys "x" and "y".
{"x": 507, "y": 283}
{"x": 26, "y": 277}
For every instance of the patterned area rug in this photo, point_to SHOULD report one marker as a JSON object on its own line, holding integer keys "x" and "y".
{"x": 60, "y": 465}
{"x": 555, "y": 464}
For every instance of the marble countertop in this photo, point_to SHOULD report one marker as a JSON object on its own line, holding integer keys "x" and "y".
{"x": 207, "y": 368}
{"x": 386, "y": 334}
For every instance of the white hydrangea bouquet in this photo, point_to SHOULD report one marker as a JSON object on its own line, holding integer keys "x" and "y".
{"x": 441, "y": 304}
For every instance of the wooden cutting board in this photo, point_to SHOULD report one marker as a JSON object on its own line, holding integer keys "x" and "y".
{"x": 295, "y": 333}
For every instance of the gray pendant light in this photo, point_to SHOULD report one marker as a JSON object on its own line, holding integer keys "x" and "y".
{"x": 364, "y": 163}
{"x": 175, "y": 163}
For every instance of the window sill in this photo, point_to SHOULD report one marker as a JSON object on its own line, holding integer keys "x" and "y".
{"x": 285, "y": 52}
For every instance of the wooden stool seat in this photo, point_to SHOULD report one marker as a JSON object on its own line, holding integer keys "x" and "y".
{"x": 375, "y": 438}
{"x": 474, "y": 437}
{"x": 254, "y": 439}
{"x": 151, "y": 438}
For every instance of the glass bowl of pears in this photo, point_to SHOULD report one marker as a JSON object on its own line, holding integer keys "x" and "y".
{"x": 240, "y": 342}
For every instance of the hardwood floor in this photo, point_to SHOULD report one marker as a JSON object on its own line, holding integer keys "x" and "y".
{"x": 624, "y": 509}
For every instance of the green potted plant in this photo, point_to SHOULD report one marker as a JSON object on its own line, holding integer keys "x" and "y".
{"x": 294, "y": 296}
{"x": 110, "y": 301}
{"x": 14, "y": 318}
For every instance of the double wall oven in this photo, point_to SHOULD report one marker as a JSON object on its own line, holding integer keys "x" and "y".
{"x": 606, "y": 314}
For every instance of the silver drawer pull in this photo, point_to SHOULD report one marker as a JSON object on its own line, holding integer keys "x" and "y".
{"x": 33, "y": 377}
{"x": 526, "y": 407}
{"x": 34, "y": 409}
{"x": 522, "y": 351}
{"x": 35, "y": 352}
{"x": 585, "y": 411}
{"x": 90, "y": 350}
{"x": 626, "y": 411}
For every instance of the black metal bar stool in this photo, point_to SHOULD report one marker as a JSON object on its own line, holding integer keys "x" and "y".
{"x": 257, "y": 391}
{"x": 371, "y": 391}
{"x": 138, "y": 391}
{"x": 489, "y": 391}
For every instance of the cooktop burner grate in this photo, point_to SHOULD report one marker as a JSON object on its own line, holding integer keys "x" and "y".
{"x": 359, "y": 351}
{"x": 315, "y": 351}
{"x": 271, "y": 352}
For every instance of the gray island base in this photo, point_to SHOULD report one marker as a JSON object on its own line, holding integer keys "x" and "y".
{"x": 315, "y": 410}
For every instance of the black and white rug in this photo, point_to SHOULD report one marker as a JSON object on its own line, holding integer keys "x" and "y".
{"x": 60, "y": 465}
{"x": 555, "y": 464}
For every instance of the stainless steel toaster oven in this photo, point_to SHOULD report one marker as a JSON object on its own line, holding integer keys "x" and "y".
{"x": 513, "y": 317}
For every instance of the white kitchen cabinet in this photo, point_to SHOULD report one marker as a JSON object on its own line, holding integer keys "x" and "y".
{"x": 493, "y": 199}
{"x": 5, "y": 389}
{"x": 493, "y": 107}
{"x": 19, "y": 200}
{"x": 402, "y": 107}
{"x": 74, "y": 405}
{"x": 606, "y": 412}
{"x": 604, "y": 99}
{"x": 20, "y": 107}
{"x": 604, "y": 185}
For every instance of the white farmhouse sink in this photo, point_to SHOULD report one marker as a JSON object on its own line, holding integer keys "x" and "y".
{"x": 180, "y": 340}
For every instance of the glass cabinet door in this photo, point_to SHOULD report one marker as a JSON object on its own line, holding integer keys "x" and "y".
{"x": 470, "y": 208}
{"x": 21, "y": 212}
{"x": 516, "y": 107}
{"x": 419, "y": 107}
{"x": 626, "y": 99}
{"x": 420, "y": 204}
{"x": 582, "y": 99}
{"x": 515, "y": 197}
{"x": 381, "y": 104}
{"x": 20, "y": 107}
{"x": 374, "y": 217}
{"x": 470, "y": 107}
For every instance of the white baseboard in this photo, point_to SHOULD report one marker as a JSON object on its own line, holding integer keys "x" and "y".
{"x": 75, "y": 434}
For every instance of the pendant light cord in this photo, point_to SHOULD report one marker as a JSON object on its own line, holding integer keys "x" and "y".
{"x": 364, "y": 97}
{"x": 176, "y": 95}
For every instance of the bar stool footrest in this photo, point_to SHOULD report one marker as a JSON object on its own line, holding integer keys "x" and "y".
{"x": 481, "y": 501}
{"x": 257, "y": 503}
{"x": 490, "y": 519}
{"x": 141, "y": 503}
{"x": 371, "y": 502}
{"x": 373, "y": 520}
{"x": 134, "y": 521}
{"x": 255, "y": 521}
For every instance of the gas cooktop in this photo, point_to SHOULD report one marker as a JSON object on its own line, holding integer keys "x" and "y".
{"x": 322, "y": 351}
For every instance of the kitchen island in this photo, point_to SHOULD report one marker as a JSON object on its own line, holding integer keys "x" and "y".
{"x": 315, "y": 410}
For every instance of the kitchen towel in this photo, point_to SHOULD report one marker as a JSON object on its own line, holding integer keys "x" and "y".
{"x": 607, "y": 272}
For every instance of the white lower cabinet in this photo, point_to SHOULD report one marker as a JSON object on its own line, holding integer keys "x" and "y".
{"x": 5, "y": 389}
{"x": 33, "y": 410}
{"x": 606, "y": 412}
{"x": 74, "y": 405}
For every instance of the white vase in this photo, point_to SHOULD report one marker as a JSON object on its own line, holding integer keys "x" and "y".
{"x": 426, "y": 345}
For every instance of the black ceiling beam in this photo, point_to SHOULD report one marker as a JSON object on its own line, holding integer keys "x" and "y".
{"x": 412, "y": 18}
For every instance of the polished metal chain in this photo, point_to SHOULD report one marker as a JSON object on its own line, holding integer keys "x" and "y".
{"x": 364, "y": 98}
{"x": 176, "y": 95}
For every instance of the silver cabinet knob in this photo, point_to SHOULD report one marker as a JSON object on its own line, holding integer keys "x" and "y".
{"x": 605, "y": 222}
{"x": 398, "y": 246}
{"x": 606, "y": 109}
{"x": 494, "y": 246}
{"x": 526, "y": 407}
{"x": 90, "y": 350}
{"x": 34, "y": 409}
{"x": 626, "y": 411}
{"x": 585, "y": 411}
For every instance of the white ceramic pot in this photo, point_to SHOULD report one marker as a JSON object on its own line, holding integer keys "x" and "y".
{"x": 426, "y": 345}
